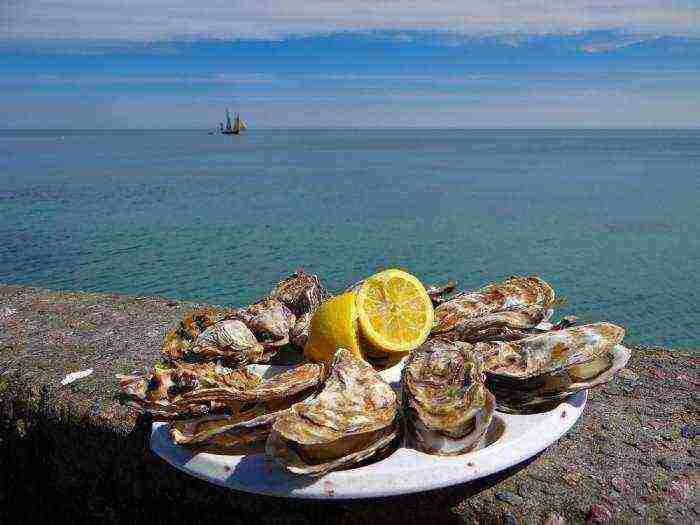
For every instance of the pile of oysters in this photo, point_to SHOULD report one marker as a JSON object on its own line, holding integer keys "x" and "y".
{"x": 490, "y": 349}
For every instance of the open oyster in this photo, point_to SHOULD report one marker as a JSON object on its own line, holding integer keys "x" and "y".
{"x": 507, "y": 325}
{"x": 354, "y": 417}
{"x": 261, "y": 404}
{"x": 157, "y": 393}
{"x": 515, "y": 292}
{"x": 193, "y": 390}
{"x": 534, "y": 372}
{"x": 447, "y": 409}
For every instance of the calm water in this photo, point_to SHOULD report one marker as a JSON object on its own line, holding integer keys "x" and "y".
{"x": 609, "y": 217}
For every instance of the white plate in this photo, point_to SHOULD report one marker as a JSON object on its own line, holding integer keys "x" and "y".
{"x": 511, "y": 439}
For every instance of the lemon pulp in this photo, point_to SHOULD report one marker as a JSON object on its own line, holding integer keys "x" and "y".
{"x": 395, "y": 313}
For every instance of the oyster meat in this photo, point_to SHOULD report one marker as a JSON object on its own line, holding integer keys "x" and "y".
{"x": 515, "y": 292}
{"x": 354, "y": 417}
{"x": 447, "y": 409}
{"x": 538, "y": 370}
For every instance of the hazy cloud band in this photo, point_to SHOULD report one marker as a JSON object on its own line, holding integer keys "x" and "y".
{"x": 164, "y": 19}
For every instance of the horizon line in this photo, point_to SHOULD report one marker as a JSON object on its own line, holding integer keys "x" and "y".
{"x": 375, "y": 128}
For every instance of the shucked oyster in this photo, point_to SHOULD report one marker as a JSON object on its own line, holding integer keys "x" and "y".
{"x": 512, "y": 293}
{"x": 507, "y": 325}
{"x": 158, "y": 393}
{"x": 260, "y": 406}
{"x": 192, "y": 390}
{"x": 354, "y": 417}
{"x": 447, "y": 409}
{"x": 528, "y": 374}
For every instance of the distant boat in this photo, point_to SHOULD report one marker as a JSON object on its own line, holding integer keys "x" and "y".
{"x": 238, "y": 125}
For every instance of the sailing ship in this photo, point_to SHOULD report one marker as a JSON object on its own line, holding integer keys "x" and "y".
{"x": 235, "y": 129}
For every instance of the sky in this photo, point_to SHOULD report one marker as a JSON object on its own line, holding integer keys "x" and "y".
{"x": 312, "y": 63}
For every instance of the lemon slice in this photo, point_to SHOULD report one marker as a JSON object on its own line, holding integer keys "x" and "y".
{"x": 394, "y": 311}
{"x": 333, "y": 326}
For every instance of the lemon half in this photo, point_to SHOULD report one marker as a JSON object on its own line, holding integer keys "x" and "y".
{"x": 333, "y": 326}
{"x": 394, "y": 311}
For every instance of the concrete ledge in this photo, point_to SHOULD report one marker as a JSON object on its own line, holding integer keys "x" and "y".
{"x": 74, "y": 450}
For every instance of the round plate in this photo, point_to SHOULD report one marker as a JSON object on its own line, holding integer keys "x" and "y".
{"x": 511, "y": 439}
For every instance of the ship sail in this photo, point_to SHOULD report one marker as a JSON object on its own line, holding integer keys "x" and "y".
{"x": 238, "y": 125}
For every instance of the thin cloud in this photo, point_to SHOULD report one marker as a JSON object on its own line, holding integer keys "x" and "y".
{"x": 143, "y": 20}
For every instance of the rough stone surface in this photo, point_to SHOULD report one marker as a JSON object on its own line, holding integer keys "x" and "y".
{"x": 75, "y": 450}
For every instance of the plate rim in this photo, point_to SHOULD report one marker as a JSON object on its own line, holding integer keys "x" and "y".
{"x": 567, "y": 413}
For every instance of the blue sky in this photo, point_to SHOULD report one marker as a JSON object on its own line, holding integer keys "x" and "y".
{"x": 154, "y": 64}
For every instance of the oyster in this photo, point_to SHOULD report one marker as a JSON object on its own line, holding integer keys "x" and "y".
{"x": 507, "y": 325}
{"x": 158, "y": 393}
{"x": 262, "y": 404}
{"x": 261, "y": 328}
{"x": 438, "y": 293}
{"x": 271, "y": 321}
{"x": 515, "y": 292}
{"x": 447, "y": 409}
{"x": 541, "y": 369}
{"x": 303, "y": 293}
{"x": 230, "y": 341}
{"x": 354, "y": 417}
{"x": 192, "y": 390}
{"x": 223, "y": 433}
{"x": 179, "y": 340}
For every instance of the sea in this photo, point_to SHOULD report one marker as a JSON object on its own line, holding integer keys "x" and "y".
{"x": 611, "y": 218}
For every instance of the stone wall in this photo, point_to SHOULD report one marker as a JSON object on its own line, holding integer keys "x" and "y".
{"x": 75, "y": 451}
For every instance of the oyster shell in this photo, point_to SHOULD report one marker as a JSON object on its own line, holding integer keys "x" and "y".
{"x": 261, "y": 404}
{"x": 507, "y": 325}
{"x": 354, "y": 417}
{"x": 270, "y": 320}
{"x": 230, "y": 341}
{"x": 557, "y": 388}
{"x": 303, "y": 293}
{"x": 158, "y": 393}
{"x": 438, "y": 293}
{"x": 549, "y": 366}
{"x": 223, "y": 433}
{"x": 274, "y": 321}
{"x": 515, "y": 292}
{"x": 447, "y": 409}
{"x": 179, "y": 340}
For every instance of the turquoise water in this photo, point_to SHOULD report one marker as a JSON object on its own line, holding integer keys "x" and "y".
{"x": 610, "y": 218}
